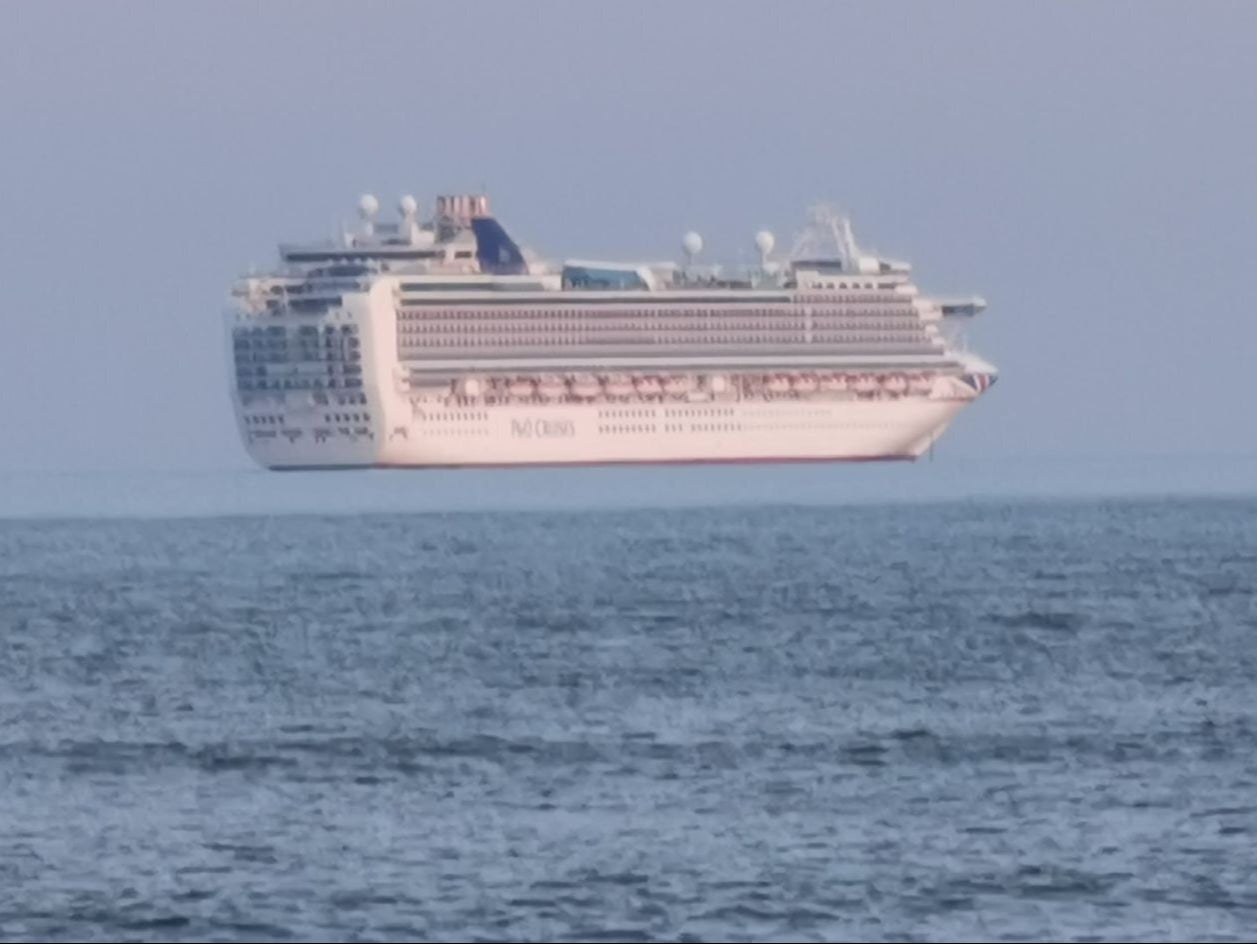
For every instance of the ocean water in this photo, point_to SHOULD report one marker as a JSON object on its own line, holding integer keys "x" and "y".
{"x": 950, "y": 476}
{"x": 1000, "y": 720}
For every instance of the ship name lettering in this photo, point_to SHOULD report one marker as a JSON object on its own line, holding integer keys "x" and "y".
{"x": 539, "y": 428}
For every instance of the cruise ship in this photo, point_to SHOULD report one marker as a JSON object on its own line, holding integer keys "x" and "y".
{"x": 437, "y": 340}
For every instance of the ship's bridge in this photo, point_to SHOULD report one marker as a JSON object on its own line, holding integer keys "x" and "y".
{"x": 582, "y": 274}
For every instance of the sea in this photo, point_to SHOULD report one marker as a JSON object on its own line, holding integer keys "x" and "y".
{"x": 1005, "y": 719}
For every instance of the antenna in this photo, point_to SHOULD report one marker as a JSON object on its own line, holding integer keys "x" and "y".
{"x": 827, "y": 236}
{"x": 850, "y": 250}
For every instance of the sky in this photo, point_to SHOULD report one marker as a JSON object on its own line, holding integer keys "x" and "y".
{"x": 1089, "y": 168}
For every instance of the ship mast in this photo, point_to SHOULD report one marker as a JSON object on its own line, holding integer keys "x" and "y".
{"x": 827, "y": 235}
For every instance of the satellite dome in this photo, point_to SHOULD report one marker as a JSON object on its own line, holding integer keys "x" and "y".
{"x": 368, "y": 206}
{"x": 692, "y": 243}
{"x": 408, "y": 205}
{"x": 764, "y": 241}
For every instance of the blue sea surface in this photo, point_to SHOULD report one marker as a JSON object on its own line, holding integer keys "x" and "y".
{"x": 996, "y": 720}
{"x": 249, "y": 490}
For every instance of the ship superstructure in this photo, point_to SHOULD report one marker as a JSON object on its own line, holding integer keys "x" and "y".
{"x": 442, "y": 342}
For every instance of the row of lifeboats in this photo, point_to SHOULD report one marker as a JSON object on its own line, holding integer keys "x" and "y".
{"x": 867, "y": 383}
{"x": 591, "y": 386}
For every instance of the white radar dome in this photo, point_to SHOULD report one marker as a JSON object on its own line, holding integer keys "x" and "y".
{"x": 692, "y": 243}
{"x": 368, "y": 206}
{"x": 764, "y": 241}
{"x": 409, "y": 206}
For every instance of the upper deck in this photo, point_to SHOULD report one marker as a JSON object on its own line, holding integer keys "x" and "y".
{"x": 462, "y": 255}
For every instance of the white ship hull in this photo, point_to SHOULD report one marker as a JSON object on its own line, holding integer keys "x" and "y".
{"x": 535, "y": 434}
{"x": 444, "y": 347}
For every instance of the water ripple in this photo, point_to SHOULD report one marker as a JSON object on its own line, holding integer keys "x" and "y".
{"x": 992, "y": 721}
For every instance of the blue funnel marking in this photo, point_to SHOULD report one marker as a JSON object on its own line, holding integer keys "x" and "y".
{"x": 495, "y": 250}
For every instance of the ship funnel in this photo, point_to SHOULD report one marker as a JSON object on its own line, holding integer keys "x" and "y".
{"x": 462, "y": 208}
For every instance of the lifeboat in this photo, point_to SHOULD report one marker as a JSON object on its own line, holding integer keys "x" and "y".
{"x": 619, "y": 385}
{"x": 804, "y": 383}
{"x": 833, "y": 383}
{"x": 551, "y": 388}
{"x": 920, "y": 384}
{"x": 866, "y": 384}
{"x": 470, "y": 387}
{"x": 717, "y": 384}
{"x": 678, "y": 385}
{"x": 521, "y": 387}
{"x": 647, "y": 386}
{"x": 778, "y": 383}
{"x": 896, "y": 384}
{"x": 586, "y": 386}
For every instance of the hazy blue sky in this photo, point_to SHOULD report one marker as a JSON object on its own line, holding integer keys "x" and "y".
{"x": 1091, "y": 168}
